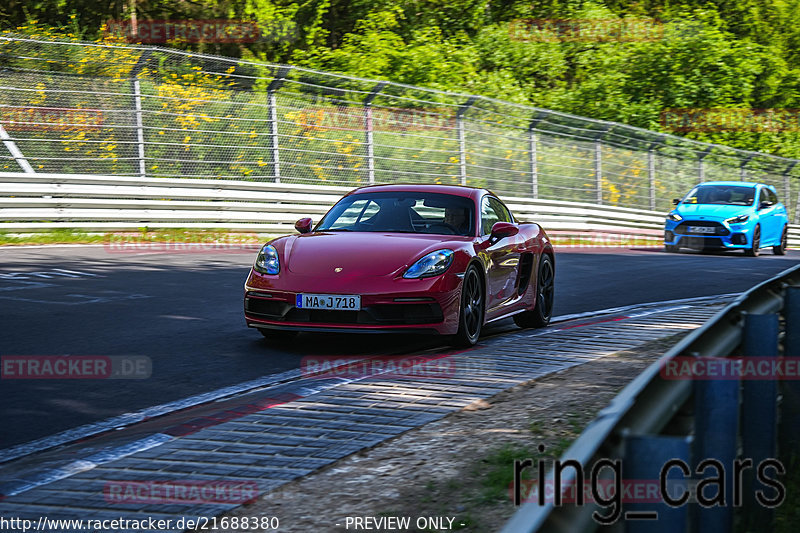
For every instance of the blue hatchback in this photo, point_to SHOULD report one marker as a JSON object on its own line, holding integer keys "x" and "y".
{"x": 728, "y": 215}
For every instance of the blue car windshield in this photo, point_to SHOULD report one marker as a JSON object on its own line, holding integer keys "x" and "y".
{"x": 403, "y": 212}
{"x": 721, "y": 195}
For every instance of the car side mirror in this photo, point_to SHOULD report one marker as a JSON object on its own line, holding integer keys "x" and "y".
{"x": 504, "y": 229}
{"x": 764, "y": 205}
{"x": 676, "y": 201}
{"x": 303, "y": 225}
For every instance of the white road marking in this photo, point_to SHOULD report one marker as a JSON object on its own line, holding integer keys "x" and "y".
{"x": 80, "y": 299}
{"x": 47, "y": 274}
{"x": 26, "y": 285}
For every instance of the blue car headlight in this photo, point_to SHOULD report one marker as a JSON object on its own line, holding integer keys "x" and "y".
{"x": 433, "y": 264}
{"x": 675, "y": 217}
{"x": 267, "y": 261}
{"x": 741, "y": 219}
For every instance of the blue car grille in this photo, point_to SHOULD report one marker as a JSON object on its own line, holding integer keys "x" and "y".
{"x": 701, "y": 243}
{"x": 683, "y": 228}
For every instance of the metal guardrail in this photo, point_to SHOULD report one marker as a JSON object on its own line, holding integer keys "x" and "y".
{"x": 655, "y": 419}
{"x": 90, "y": 108}
{"x": 34, "y": 202}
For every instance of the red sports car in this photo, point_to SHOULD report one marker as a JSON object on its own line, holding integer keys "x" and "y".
{"x": 404, "y": 258}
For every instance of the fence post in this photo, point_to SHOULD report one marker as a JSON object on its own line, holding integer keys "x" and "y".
{"x": 797, "y": 208}
{"x": 533, "y": 153}
{"x": 701, "y": 165}
{"x": 598, "y": 165}
{"x": 743, "y": 170}
{"x": 137, "y": 106}
{"x": 790, "y": 406}
{"x": 598, "y": 171}
{"x": 15, "y": 152}
{"x": 786, "y": 185}
{"x": 274, "y": 85}
{"x": 716, "y": 426}
{"x": 651, "y": 174}
{"x": 462, "y": 141}
{"x": 787, "y": 191}
{"x": 645, "y": 456}
{"x": 759, "y": 414}
{"x": 368, "y": 130}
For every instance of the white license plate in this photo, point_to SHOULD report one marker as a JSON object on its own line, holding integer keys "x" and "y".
{"x": 340, "y": 302}
{"x": 702, "y": 229}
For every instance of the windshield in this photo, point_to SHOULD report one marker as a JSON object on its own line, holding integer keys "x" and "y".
{"x": 404, "y": 212}
{"x": 721, "y": 195}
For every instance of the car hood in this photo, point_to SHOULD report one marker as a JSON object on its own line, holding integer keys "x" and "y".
{"x": 359, "y": 254}
{"x": 712, "y": 211}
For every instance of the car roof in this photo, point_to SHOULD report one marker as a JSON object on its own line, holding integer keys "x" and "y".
{"x": 741, "y": 183}
{"x": 455, "y": 190}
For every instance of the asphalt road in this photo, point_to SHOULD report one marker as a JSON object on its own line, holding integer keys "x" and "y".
{"x": 184, "y": 312}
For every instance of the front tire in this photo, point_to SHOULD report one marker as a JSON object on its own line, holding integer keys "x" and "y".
{"x": 670, "y": 248}
{"x": 540, "y": 315}
{"x": 471, "y": 312}
{"x": 755, "y": 246}
{"x": 781, "y": 248}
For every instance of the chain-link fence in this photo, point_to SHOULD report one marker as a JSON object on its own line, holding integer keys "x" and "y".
{"x": 143, "y": 111}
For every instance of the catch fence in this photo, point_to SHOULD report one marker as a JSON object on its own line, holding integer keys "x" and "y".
{"x": 149, "y": 112}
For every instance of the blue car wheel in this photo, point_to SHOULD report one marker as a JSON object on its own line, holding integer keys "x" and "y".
{"x": 755, "y": 244}
{"x": 780, "y": 249}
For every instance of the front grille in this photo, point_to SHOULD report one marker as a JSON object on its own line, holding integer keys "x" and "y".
{"x": 683, "y": 227}
{"x": 260, "y": 307}
{"x": 257, "y": 306}
{"x": 700, "y": 243}
{"x": 422, "y": 313}
{"x": 383, "y": 314}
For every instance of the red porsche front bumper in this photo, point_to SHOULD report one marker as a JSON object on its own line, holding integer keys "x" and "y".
{"x": 388, "y": 304}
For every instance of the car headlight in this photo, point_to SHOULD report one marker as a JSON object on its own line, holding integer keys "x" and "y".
{"x": 738, "y": 220}
{"x": 267, "y": 260}
{"x": 675, "y": 217}
{"x": 433, "y": 264}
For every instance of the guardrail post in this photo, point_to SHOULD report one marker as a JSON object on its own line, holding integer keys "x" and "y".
{"x": 759, "y": 413}
{"x": 15, "y": 152}
{"x": 645, "y": 457}
{"x": 137, "y": 106}
{"x": 368, "y": 130}
{"x": 789, "y": 445}
{"x": 716, "y": 427}
{"x": 462, "y": 140}
{"x": 274, "y": 85}
{"x": 533, "y": 153}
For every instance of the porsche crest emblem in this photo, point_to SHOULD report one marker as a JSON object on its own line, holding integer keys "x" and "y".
{"x": 337, "y": 269}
